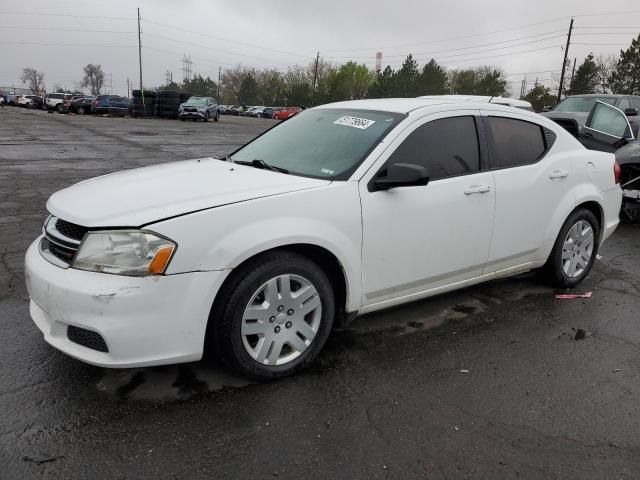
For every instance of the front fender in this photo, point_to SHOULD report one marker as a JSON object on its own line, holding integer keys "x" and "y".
{"x": 222, "y": 238}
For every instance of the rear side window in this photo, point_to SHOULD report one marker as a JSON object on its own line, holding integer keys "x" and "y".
{"x": 446, "y": 148}
{"x": 515, "y": 142}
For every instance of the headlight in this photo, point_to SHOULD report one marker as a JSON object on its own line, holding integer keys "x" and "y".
{"x": 121, "y": 252}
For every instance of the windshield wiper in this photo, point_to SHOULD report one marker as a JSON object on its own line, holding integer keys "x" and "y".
{"x": 259, "y": 163}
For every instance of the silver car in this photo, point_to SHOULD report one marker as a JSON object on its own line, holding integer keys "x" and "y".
{"x": 202, "y": 108}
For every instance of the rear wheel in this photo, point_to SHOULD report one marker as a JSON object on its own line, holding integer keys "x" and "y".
{"x": 60, "y": 108}
{"x": 276, "y": 317}
{"x": 217, "y": 117}
{"x": 575, "y": 249}
{"x": 81, "y": 110}
{"x": 206, "y": 117}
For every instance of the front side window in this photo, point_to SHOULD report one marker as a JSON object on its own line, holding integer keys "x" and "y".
{"x": 447, "y": 147}
{"x": 321, "y": 143}
{"x": 609, "y": 120}
{"x": 515, "y": 142}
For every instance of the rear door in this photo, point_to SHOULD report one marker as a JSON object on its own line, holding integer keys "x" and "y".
{"x": 530, "y": 183}
{"x": 607, "y": 129}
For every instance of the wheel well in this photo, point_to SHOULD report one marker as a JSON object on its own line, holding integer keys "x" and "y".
{"x": 596, "y": 209}
{"x": 327, "y": 261}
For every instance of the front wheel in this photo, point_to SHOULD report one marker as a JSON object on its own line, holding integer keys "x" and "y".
{"x": 60, "y": 108}
{"x": 217, "y": 117}
{"x": 575, "y": 249}
{"x": 81, "y": 111}
{"x": 277, "y": 315}
{"x": 206, "y": 117}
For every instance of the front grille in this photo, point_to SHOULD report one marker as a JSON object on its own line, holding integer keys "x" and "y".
{"x": 87, "y": 338}
{"x": 61, "y": 241}
{"x": 71, "y": 230}
{"x": 65, "y": 254}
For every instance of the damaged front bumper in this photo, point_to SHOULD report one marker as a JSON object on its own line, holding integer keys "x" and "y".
{"x": 139, "y": 321}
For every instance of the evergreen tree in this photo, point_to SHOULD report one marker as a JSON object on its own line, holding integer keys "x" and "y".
{"x": 586, "y": 78}
{"x": 625, "y": 78}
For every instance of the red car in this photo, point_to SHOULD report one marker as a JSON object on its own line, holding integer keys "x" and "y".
{"x": 286, "y": 113}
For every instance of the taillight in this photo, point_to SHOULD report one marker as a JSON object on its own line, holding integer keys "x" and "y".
{"x": 617, "y": 172}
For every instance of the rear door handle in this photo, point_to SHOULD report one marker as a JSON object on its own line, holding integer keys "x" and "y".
{"x": 477, "y": 189}
{"x": 558, "y": 174}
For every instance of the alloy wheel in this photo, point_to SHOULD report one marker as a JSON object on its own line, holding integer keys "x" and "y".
{"x": 281, "y": 320}
{"x": 577, "y": 249}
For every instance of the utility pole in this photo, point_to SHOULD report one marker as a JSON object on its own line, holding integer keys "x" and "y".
{"x": 219, "y": 75}
{"x": 315, "y": 77}
{"x": 128, "y": 88}
{"x": 564, "y": 61}
{"x": 140, "y": 57}
{"x": 573, "y": 72}
{"x": 315, "y": 73}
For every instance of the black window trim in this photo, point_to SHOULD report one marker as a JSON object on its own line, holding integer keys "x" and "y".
{"x": 491, "y": 146}
{"x": 483, "y": 151}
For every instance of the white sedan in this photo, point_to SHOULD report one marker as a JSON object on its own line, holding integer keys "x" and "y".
{"x": 342, "y": 210}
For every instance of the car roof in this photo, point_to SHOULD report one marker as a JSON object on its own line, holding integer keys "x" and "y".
{"x": 407, "y": 105}
{"x": 600, "y": 95}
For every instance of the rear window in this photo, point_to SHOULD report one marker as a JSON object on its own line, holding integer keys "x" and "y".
{"x": 56, "y": 95}
{"x": 515, "y": 142}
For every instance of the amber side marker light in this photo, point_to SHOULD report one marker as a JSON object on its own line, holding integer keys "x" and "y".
{"x": 160, "y": 260}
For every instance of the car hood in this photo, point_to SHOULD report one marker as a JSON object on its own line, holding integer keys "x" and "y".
{"x": 145, "y": 195}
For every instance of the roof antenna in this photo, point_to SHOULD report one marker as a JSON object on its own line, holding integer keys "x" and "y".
{"x": 491, "y": 98}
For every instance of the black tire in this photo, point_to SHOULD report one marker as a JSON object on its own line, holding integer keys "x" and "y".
{"x": 60, "y": 108}
{"x": 81, "y": 110}
{"x": 217, "y": 117}
{"x": 225, "y": 321}
{"x": 554, "y": 267}
{"x": 206, "y": 117}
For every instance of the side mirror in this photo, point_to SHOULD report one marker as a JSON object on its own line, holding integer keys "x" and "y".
{"x": 631, "y": 112}
{"x": 402, "y": 175}
{"x": 546, "y": 109}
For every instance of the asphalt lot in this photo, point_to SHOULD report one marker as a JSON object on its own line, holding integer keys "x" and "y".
{"x": 488, "y": 382}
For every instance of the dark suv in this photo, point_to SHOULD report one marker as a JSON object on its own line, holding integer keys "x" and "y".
{"x": 110, "y": 104}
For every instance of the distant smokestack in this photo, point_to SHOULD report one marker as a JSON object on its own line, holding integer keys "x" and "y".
{"x": 378, "y": 62}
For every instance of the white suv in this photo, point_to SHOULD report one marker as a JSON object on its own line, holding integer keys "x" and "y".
{"x": 58, "y": 101}
{"x": 343, "y": 209}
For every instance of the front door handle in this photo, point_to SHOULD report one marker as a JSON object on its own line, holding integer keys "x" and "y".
{"x": 477, "y": 189}
{"x": 558, "y": 174}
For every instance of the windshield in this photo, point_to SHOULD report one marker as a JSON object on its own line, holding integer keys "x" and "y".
{"x": 581, "y": 104}
{"x": 323, "y": 143}
{"x": 199, "y": 102}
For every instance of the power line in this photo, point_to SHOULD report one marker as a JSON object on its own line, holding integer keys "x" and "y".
{"x": 69, "y": 45}
{"x": 225, "y": 39}
{"x": 41, "y": 14}
{"x": 198, "y": 45}
{"x": 61, "y": 29}
{"x": 455, "y": 38}
{"x": 473, "y": 47}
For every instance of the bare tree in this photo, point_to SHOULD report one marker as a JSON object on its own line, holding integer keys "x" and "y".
{"x": 33, "y": 79}
{"x": 93, "y": 78}
{"x": 606, "y": 67}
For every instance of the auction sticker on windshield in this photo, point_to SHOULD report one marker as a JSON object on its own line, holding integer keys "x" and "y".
{"x": 356, "y": 122}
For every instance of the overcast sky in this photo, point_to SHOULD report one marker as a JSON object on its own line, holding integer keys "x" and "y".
{"x": 521, "y": 37}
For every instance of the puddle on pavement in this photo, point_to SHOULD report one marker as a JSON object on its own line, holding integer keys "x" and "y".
{"x": 168, "y": 383}
{"x": 181, "y": 382}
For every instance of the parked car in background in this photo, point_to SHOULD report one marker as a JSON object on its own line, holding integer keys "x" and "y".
{"x": 300, "y": 229}
{"x": 236, "y": 110}
{"x": 572, "y": 112}
{"x": 199, "y": 108}
{"x": 222, "y": 109}
{"x": 255, "y": 111}
{"x": 81, "y": 105}
{"x": 609, "y": 128}
{"x": 286, "y": 112}
{"x": 113, "y": 104}
{"x": 58, "y": 101}
{"x": 269, "y": 111}
{"x": 30, "y": 101}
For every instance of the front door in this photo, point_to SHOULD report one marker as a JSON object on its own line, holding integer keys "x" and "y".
{"x": 607, "y": 129}
{"x": 424, "y": 237}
